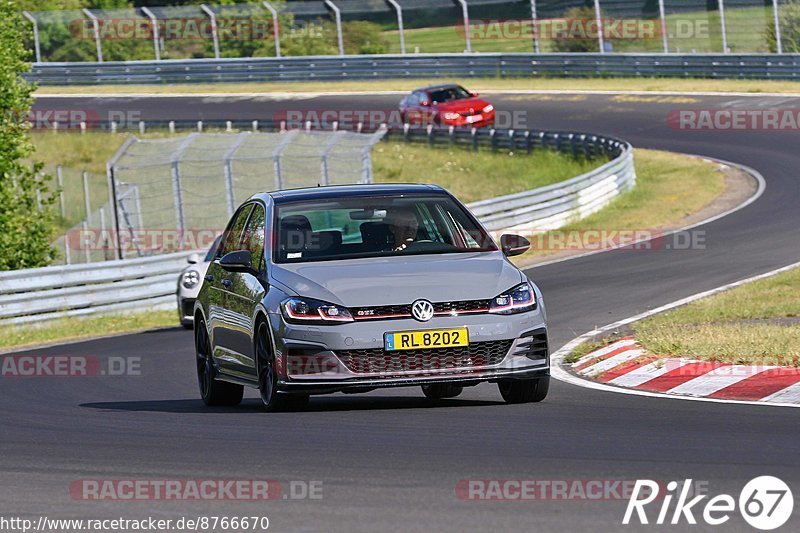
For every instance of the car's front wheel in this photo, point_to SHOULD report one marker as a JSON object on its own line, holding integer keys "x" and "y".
{"x": 524, "y": 390}
{"x": 212, "y": 392}
{"x": 268, "y": 378}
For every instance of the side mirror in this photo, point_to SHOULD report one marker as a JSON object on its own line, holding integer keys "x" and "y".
{"x": 238, "y": 261}
{"x": 193, "y": 259}
{"x": 473, "y": 93}
{"x": 514, "y": 244}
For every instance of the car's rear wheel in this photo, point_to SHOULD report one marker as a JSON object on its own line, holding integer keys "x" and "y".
{"x": 212, "y": 392}
{"x": 439, "y": 391}
{"x": 268, "y": 378}
{"x": 524, "y": 390}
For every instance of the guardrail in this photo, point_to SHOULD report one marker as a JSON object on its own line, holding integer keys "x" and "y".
{"x": 332, "y": 68}
{"x": 40, "y": 294}
{"x": 150, "y": 282}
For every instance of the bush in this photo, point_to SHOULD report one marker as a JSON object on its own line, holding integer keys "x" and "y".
{"x": 569, "y": 43}
{"x": 789, "y": 20}
{"x": 26, "y": 229}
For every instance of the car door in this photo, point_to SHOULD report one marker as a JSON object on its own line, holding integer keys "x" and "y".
{"x": 219, "y": 282}
{"x": 247, "y": 289}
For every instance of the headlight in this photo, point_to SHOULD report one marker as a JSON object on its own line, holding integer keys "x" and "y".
{"x": 517, "y": 300}
{"x": 190, "y": 279}
{"x": 451, "y": 116}
{"x": 488, "y": 109}
{"x": 306, "y": 311}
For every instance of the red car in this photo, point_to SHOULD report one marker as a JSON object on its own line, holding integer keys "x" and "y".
{"x": 447, "y": 105}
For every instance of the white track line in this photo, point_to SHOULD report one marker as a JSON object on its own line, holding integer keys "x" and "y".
{"x": 560, "y": 373}
{"x": 643, "y": 374}
{"x": 603, "y": 351}
{"x": 714, "y": 380}
{"x": 611, "y": 362}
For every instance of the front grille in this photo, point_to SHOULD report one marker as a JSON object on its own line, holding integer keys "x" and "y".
{"x": 188, "y": 307}
{"x": 386, "y": 312}
{"x": 380, "y": 361}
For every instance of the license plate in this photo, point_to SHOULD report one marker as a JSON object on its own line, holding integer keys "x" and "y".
{"x": 473, "y": 118}
{"x": 425, "y": 339}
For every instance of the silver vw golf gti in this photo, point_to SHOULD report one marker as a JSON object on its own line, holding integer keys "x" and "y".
{"x": 352, "y": 288}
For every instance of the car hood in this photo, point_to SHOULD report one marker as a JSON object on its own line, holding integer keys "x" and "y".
{"x": 401, "y": 280}
{"x": 465, "y": 104}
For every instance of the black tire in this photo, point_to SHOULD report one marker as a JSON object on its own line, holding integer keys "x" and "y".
{"x": 524, "y": 390}
{"x": 271, "y": 398}
{"x": 439, "y": 391}
{"x": 212, "y": 392}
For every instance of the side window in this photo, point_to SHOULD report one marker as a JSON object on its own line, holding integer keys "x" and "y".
{"x": 232, "y": 236}
{"x": 254, "y": 236}
{"x": 413, "y": 99}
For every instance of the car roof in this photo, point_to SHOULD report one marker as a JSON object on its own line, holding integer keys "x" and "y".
{"x": 436, "y": 87}
{"x": 350, "y": 191}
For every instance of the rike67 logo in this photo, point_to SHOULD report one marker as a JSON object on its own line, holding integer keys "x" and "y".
{"x": 765, "y": 502}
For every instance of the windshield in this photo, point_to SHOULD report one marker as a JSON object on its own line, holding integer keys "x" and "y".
{"x": 348, "y": 228}
{"x": 455, "y": 92}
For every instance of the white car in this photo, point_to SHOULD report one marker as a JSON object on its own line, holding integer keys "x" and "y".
{"x": 189, "y": 284}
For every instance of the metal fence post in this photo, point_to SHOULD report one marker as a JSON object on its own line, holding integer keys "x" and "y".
{"x": 399, "y": 11}
{"x": 465, "y": 15}
{"x": 776, "y": 16}
{"x": 177, "y": 187}
{"x": 323, "y": 156}
{"x": 60, "y": 179}
{"x": 663, "y": 15}
{"x": 87, "y": 254}
{"x": 338, "y": 16}
{"x": 723, "y": 26}
{"x": 599, "y": 20}
{"x": 96, "y": 26}
{"x": 214, "y": 36}
{"x": 112, "y": 191}
{"x": 36, "y": 46}
{"x": 67, "y": 258}
{"x": 535, "y": 28}
{"x": 154, "y": 23}
{"x": 274, "y": 13}
{"x": 228, "y": 171}
{"x": 276, "y": 156}
{"x": 86, "y": 202}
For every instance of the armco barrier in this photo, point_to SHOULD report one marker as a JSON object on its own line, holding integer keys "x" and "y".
{"x": 502, "y": 65}
{"x": 150, "y": 282}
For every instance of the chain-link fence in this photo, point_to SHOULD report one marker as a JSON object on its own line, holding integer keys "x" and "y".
{"x": 335, "y": 27}
{"x": 178, "y": 193}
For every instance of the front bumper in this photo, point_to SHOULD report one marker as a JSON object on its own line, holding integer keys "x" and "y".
{"x": 321, "y": 357}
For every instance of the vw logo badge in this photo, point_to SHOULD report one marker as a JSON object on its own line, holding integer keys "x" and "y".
{"x": 422, "y": 310}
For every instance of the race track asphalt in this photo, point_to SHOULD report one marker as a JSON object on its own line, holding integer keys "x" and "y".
{"x": 390, "y": 459}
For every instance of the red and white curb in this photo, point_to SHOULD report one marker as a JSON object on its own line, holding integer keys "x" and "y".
{"x": 625, "y": 364}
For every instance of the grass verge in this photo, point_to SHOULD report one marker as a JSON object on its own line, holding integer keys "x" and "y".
{"x": 754, "y": 324}
{"x": 477, "y": 84}
{"x": 669, "y": 187}
{"x": 474, "y": 176}
{"x": 72, "y": 329}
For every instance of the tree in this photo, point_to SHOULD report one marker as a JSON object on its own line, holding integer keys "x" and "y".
{"x": 27, "y": 223}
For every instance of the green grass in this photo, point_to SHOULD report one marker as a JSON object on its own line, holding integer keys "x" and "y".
{"x": 70, "y": 329}
{"x": 473, "y": 176}
{"x": 477, "y": 84}
{"x": 668, "y": 188}
{"x": 751, "y": 324}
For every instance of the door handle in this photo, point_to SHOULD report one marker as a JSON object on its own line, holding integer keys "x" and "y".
{"x": 209, "y": 277}
{"x": 227, "y": 283}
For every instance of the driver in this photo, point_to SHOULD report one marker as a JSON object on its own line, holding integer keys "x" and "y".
{"x": 403, "y": 224}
